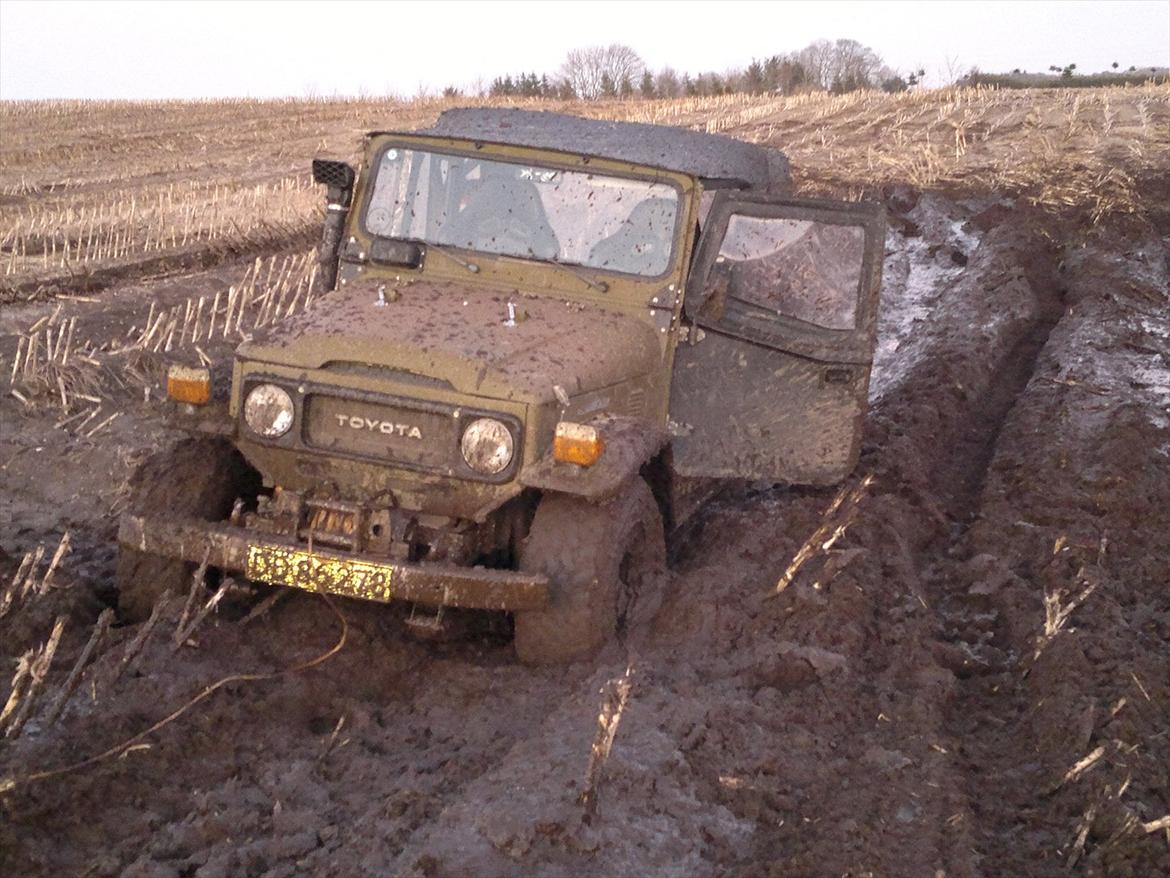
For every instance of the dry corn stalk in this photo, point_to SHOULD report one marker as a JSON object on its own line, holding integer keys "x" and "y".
{"x": 1156, "y": 825}
{"x": 28, "y": 585}
{"x": 62, "y": 548}
{"x": 830, "y": 531}
{"x": 1082, "y": 834}
{"x": 1082, "y": 767}
{"x": 20, "y": 680}
{"x": 1057, "y": 612}
{"x": 133, "y": 650}
{"x": 74, "y": 678}
{"x": 34, "y": 680}
{"x": 182, "y": 635}
{"x": 261, "y": 609}
{"x": 331, "y": 744}
{"x": 197, "y": 586}
{"x": 615, "y": 695}
{"x": 15, "y": 587}
{"x": 26, "y": 582}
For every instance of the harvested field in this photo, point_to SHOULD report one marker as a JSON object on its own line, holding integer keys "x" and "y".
{"x": 974, "y": 680}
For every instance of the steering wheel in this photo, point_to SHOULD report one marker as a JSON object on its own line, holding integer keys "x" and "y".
{"x": 513, "y": 236}
{"x": 627, "y": 250}
{"x": 507, "y": 236}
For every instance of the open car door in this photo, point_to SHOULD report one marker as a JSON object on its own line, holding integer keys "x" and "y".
{"x": 773, "y": 378}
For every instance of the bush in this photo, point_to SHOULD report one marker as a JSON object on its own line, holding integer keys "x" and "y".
{"x": 1065, "y": 78}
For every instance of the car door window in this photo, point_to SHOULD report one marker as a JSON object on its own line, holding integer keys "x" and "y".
{"x": 802, "y": 269}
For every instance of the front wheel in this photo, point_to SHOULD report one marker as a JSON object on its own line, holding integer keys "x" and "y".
{"x": 606, "y": 564}
{"x": 195, "y": 478}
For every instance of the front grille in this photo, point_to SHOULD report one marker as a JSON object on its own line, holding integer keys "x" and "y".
{"x": 417, "y": 437}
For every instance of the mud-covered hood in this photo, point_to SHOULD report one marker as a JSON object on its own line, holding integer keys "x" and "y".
{"x": 459, "y": 334}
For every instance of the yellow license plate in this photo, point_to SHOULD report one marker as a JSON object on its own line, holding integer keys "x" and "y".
{"x": 313, "y": 572}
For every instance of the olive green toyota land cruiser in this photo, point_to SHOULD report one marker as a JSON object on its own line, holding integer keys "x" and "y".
{"x": 541, "y": 342}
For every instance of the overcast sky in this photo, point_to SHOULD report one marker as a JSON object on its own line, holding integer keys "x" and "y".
{"x": 260, "y": 49}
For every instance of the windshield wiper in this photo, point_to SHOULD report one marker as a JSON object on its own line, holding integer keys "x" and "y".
{"x": 459, "y": 260}
{"x": 599, "y": 285}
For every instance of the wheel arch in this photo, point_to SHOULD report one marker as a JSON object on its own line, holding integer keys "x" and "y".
{"x": 633, "y": 448}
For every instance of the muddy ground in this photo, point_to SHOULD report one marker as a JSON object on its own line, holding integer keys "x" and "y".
{"x": 974, "y": 681}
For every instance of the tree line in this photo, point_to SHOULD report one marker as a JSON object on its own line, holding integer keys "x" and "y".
{"x": 617, "y": 71}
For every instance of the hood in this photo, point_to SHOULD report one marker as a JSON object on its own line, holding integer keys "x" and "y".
{"x": 458, "y": 334}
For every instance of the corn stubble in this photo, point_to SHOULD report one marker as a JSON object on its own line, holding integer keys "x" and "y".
{"x": 84, "y": 377}
{"x": 141, "y": 179}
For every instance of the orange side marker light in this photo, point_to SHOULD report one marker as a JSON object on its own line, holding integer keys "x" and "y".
{"x": 190, "y": 385}
{"x": 577, "y": 443}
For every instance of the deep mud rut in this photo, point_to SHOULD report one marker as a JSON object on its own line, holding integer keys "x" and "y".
{"x": 974, "y": 681}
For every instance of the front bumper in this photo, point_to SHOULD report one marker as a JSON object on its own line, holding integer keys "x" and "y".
{"x": 268, "y": 558}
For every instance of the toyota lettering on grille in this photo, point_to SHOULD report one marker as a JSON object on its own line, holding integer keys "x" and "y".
{"x": 390, "y": 428}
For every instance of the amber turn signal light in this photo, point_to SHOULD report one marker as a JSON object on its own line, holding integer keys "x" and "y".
{"x": 190, "y": 385}
{"x": 577, "y": 443}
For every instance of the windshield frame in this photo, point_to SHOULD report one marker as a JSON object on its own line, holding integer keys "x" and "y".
{"x": 570, "y": 162}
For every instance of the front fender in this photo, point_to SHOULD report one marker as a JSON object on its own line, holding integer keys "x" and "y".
{"x": 629, "y": 443}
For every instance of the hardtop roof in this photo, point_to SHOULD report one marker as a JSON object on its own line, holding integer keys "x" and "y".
{"x": 708, "y": 156}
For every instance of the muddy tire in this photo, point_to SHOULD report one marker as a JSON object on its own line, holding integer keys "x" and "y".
{"x": 606, "y": 563}
{"x": 196, "y": 478}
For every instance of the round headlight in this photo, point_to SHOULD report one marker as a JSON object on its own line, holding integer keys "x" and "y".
{"x": 268, "y": 410}
{"x": 487, "y": 446}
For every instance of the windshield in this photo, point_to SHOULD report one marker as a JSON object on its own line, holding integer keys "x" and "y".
{"x": 582, "y": 218}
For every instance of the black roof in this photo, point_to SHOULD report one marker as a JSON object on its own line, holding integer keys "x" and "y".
{"x": 709, "y": 156}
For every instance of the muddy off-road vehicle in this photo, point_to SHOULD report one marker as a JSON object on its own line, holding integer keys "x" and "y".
{"x": 541, "y": 342}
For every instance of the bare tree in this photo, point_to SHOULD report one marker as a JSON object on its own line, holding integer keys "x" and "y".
{"x": 953, "y": 70}
{"x": 857, "y": 66}
{"x": 666, "y": 83}
{"x": 580, "y": 73}
{"x": 817, "y": 60}
{"x": 587, "y": 71}
{"x": 843, "y": 65}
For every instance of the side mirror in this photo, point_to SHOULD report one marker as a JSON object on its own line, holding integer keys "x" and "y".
{"x": 336, "y": 175}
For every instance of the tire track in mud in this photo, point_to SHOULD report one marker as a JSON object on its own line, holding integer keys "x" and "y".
{"x": 956, "y": 481}
{"x": 1015, "y": 269}
{"x": 935, "y": 435}
{"x": 1016, "y": 735}
{"x": 1072, "y": 514}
